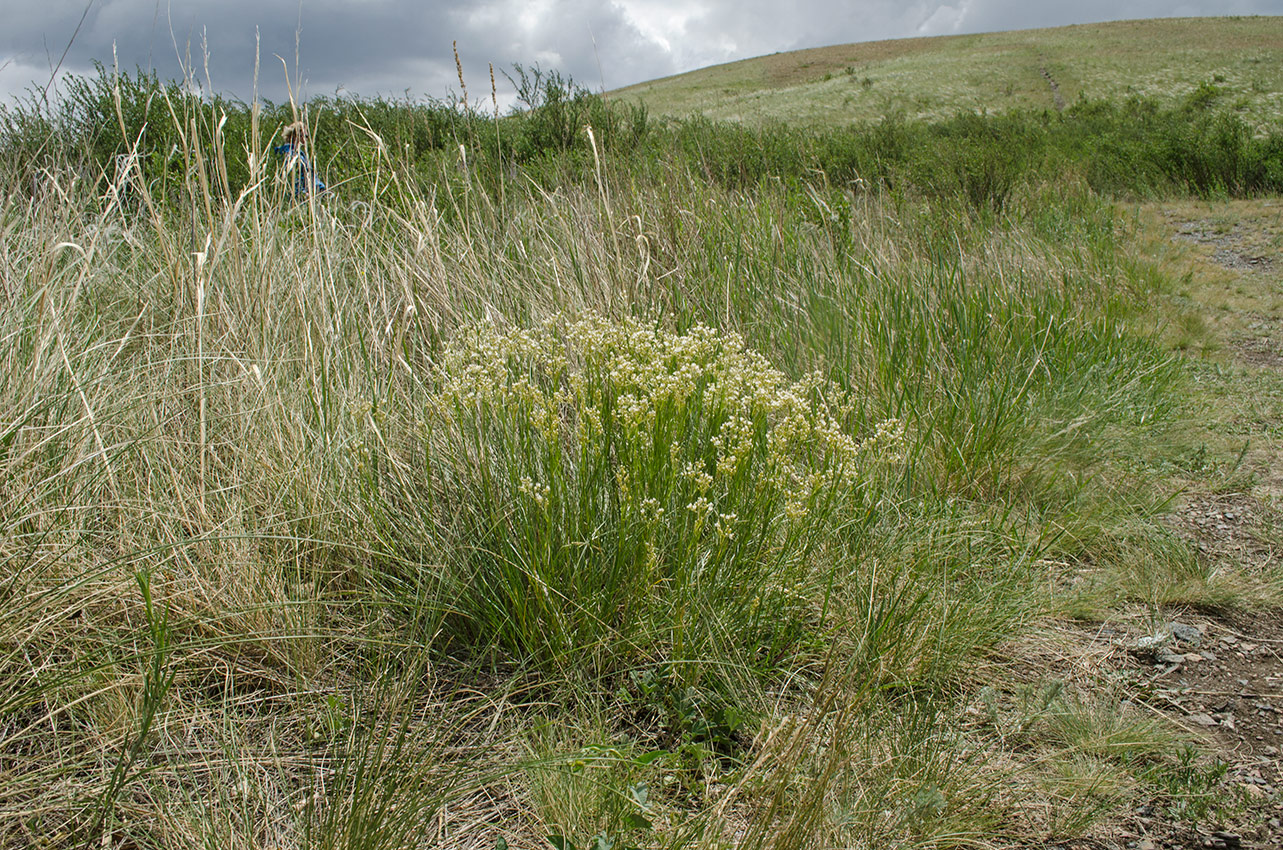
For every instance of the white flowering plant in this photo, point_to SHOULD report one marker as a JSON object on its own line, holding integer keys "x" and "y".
{"x": 612, "y": 489}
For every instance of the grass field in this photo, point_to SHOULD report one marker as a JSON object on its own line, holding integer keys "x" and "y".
{"x": 607, "y": 486}
{"x": 995, "y": 72}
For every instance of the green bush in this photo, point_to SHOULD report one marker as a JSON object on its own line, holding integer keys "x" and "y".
{"x": 632, "y": 495}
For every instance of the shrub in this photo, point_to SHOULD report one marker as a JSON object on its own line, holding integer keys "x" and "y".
{"x": 633, "y": 494}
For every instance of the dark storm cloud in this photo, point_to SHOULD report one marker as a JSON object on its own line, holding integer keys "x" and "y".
{"x": 367, "y": 46}
{"x": 396, "y": 46}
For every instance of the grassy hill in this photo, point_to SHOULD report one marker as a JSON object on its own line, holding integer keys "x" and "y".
{"x": 935, "y": 77}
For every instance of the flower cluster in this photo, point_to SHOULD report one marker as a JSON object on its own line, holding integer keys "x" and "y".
{"x": 597, "y": 476}
{"x": 687, "y": 418}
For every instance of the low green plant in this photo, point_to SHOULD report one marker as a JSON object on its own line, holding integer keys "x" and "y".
{"x": 594, "y": 794}
{"x": 1192, "y": 786}
{"x": 633, "y": 825}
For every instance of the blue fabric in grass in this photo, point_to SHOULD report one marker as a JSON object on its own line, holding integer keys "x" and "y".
{"x": 305, "y": 177}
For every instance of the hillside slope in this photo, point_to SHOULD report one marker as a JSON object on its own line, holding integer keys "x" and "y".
{"x": 1043, "y": 68}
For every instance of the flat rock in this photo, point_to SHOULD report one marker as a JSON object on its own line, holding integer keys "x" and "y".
{"x": 1202, "y": 719}
{"x": 1186, "y": 633}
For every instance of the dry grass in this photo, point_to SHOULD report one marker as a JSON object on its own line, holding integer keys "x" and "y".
{"x": 223, "y": 620}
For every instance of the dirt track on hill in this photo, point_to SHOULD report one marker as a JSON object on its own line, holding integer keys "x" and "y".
{"x": 1226, "y": 686}
{"x": 1214, "y": 672}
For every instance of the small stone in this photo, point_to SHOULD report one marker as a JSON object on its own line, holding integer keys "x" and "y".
{"x": 1276, "y": 823}
{"x": 1193, "y": 658}
{"x": 1208, "y": 656}
{"x": 1201, "y": 719}
{"x": 1247, "y": 647}
{"x": 1186, "y": 633}
{"x": 1271, "y": 750}
{"x": 1243, "y": 683}
{"x": 1146, "y": 844}
{"x": 1254, "y": 792}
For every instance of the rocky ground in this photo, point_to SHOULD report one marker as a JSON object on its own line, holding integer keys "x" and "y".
{"x": 1222, "y": 679}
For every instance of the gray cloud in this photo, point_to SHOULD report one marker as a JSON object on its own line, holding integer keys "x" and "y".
{"x": 393, "y": 47}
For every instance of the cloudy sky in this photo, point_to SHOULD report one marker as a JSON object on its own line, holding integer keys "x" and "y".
{"x": 395, "y": 47}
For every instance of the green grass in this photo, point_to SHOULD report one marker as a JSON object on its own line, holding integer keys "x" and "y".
{"x": 606, "y": 498}
{"x": 934, "y": 78}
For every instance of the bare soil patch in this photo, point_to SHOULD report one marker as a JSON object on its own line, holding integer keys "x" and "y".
{"x": 1260, "y": 351}
{"x": 1238, "y": 259}
{"x": 1057, "y": 97}
{"x": 1228, "y": 528}
{"x": 1215, "y": 674}
{"x": 1234, "y": 248}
